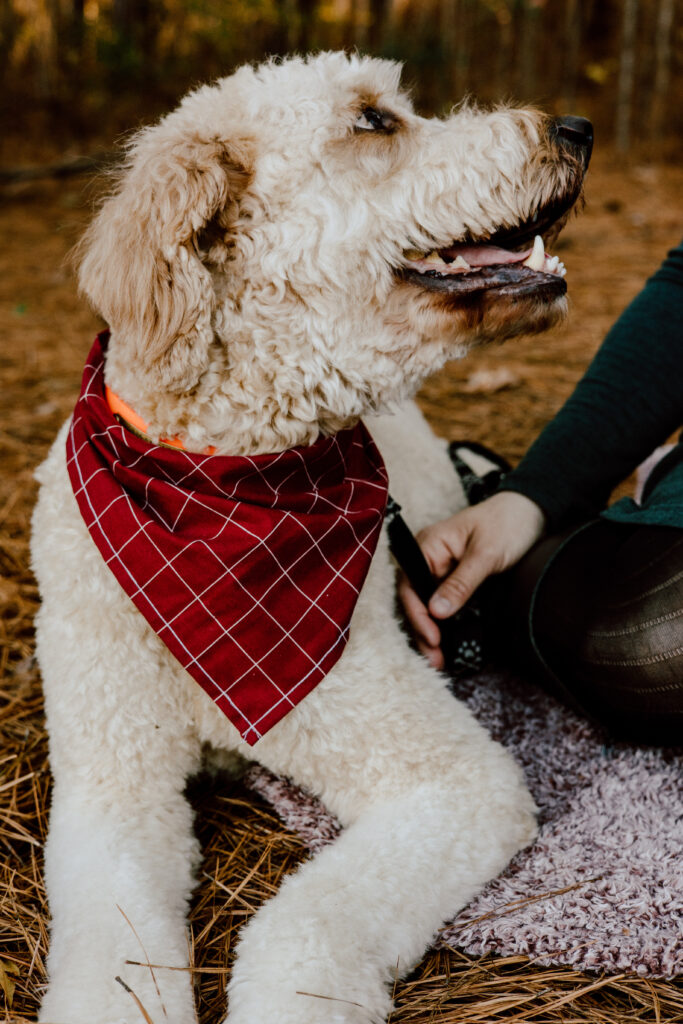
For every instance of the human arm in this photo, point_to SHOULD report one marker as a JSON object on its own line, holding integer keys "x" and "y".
{"x": 629, "y": 400}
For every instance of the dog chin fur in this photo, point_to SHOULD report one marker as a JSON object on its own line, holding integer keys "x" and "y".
{"x": 246, "y": 261}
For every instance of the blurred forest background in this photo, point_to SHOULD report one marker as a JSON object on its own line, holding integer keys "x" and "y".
{"x": 75, "y": 74}
{"x": 76, "y": 69}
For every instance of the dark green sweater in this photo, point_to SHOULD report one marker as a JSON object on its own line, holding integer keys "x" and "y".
{"x": 627, "y": 403}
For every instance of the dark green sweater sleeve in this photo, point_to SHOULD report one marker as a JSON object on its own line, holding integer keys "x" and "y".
{"x": 628, "y": 402}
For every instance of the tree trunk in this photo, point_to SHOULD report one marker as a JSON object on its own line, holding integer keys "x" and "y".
{"x": 379, "y": 10}
{"x": 448, "y": 24}
{"x": 571, "y": 45}
{"x": 504, "y": 51}
{"x": 278, "y": 42}
{"x": 49, "y": 71}
{"x": 665, "y": 14}
{"x": 306, "y": 12}
{"x": 627, "y": 64}
{"x": 77, "y": 28}
{"x": 134, "y": 21}
{"x": 462, "y": 47}
{"x": 528, "y": 48}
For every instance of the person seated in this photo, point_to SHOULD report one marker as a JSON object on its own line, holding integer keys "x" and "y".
{"x": 586, "y": 597}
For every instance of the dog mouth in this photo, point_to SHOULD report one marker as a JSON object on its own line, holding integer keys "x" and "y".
{"x": 511, "y": 261}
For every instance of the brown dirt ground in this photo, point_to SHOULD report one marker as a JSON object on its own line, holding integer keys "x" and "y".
{"x": 501, "y": 397}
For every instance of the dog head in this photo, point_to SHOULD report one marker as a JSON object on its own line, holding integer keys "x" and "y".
{"x": 294, "y": 247}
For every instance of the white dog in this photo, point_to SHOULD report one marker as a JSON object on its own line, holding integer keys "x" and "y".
{"x": 290, "y": 250}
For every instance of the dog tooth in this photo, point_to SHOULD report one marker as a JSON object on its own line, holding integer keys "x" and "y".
{"x": 460, "y": 263}
{"x": 552, "y": 263}
{"x": 413, "y": 254}
{"x": 536, "y": 259}
{"x": 433, "y": 257}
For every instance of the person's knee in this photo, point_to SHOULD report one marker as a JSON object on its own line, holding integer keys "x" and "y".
{"x": 630, "y": 662}
{"x": 609, "y": 626}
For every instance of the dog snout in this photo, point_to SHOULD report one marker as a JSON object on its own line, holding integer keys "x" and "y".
{"x": 575, "y": 134}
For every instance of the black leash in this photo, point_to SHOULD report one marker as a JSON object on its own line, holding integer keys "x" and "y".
{"x": 462, "y": 636}
{"x": 408, "y": 553}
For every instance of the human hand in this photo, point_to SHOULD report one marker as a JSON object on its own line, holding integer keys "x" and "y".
{"x": 462, "y": 552}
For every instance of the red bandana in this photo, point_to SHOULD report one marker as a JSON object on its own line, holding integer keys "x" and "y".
{"x": 247, "y": 567}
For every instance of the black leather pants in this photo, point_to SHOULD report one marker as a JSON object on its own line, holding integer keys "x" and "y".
{"x": 596, "y": 616}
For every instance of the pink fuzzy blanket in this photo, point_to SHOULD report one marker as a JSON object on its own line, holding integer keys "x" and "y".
{"x": 602, "y": 886}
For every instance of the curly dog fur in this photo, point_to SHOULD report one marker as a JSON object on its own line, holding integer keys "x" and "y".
{"x": 249, "y": 262}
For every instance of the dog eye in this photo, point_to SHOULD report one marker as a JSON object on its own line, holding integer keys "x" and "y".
{"x": 372, "y": 120}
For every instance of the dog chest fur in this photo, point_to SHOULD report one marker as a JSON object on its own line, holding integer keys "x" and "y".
{"x": 250, "y": 265}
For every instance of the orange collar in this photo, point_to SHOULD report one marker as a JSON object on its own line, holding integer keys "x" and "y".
{"x": 134, "y": 422}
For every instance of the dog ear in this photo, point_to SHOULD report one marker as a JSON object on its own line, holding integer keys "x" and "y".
{"x": 139, "y": 261}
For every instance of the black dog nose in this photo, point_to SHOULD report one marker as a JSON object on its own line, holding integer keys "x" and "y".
{"x": 575, "y": 132}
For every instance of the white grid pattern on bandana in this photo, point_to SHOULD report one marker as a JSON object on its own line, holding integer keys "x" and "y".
{"x": 194, "y": 599}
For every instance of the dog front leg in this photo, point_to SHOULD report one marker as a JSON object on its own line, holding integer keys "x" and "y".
{"x": 326, "y": 948}
{"x": 433, "y": 821}
{"x": 119, "y": 871}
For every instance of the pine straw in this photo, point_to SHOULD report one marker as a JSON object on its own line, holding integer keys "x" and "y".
{"x": 247, "y": 851}
{"x": 246, "y": 854}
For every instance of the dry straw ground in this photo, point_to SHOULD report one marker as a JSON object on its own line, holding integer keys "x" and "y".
{"x": 501, "y": 397}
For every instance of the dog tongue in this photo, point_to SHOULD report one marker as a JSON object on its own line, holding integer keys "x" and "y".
{"x": 483, "y": 255}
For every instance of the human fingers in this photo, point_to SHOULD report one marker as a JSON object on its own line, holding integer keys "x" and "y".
{"x": 457, "y": 588}
{"x": 484, "y": 539}
{"x": 426, "y": 630}
{"x": 449, "y": 547}
{"x": 444, "y": 543}
{"x": 434, "y": 655}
